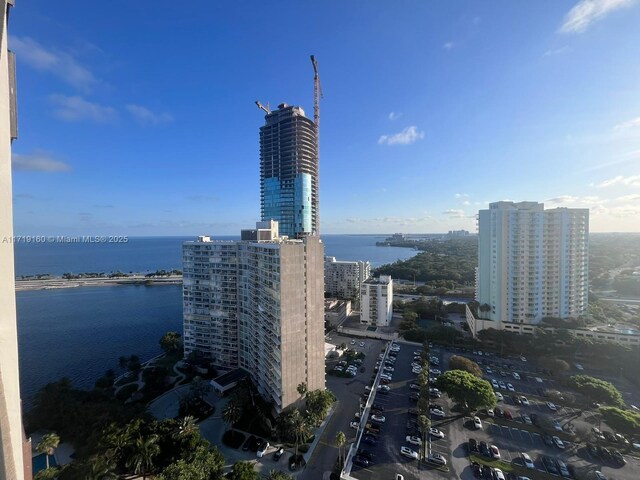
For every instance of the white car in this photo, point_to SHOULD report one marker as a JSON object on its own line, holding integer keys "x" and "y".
{"x": 499, "y": 396}
{"x": 524, "y": 400}
{"x": 437, "y": 458}
{"x": 416, "y": 370}
{"x": 526, "y": 459}
{"x": 416, "y": 364}
{"x": 417, "y": 352}
{"x": 438, "y": 413}
{"x": 551, "y": 406}
{"x": 407, "y": 452}
{"x": 354, "y": 425}
{"x": 434, "y": 432}
{"x": 494, "y": 384}
{"x": 490, "y": 412}
{"x": 498, "y": 474}
{"x": 263, "y": 450}
{"x": 523, "y": 358}
{"x": 362, "y": 344}
{"x": 489, "y": 371}
{"x": 383, "y": 388}
{"x": 477, "y": 423}
{"x": 434, "y": 371}
{"x": 413, "y": 440}
{"x": 527, "y": 419}
{"x": 510, "y": 387}
{"x": 378, "y": 418}
{"x": 385, "y": 376}
{"x": 495, "y": 452}
{"x": 399, "y": 476}
{"x": 353, "y": 342}
{"x": 558, "y": 443}
{"x": 502, "y": 385}
{"x": 516, "y": 375}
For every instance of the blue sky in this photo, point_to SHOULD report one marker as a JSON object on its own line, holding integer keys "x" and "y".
{"x": 137, "y": 118}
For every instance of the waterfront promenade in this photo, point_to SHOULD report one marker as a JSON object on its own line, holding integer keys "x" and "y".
{"x": 58, "y": 282}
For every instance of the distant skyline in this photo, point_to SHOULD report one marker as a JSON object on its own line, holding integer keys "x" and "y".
{"x": 139, "y": 120}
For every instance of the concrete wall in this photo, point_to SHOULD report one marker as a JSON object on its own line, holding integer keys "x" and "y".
{"x": 11, "y": 440}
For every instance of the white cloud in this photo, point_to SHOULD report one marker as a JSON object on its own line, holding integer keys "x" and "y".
{"x": 454, "y": 213}
{"x": 448, "y": 46}
{"x": 146, "y": 116}
{"x": 633, "y": 123}
{"x": 406, "y": 137}
{"x": 556, "y": 51}
{"x": 575, "y": 201}
{"x": 77, "y": 108}
{"x": 395, "y": 115}
{"x": 587, "y": 12}
{"x": 461, "y": 195}
{"x": 630, "y": 181}
{"x": 38, "y": 162}
{"x": 59, "y": 64}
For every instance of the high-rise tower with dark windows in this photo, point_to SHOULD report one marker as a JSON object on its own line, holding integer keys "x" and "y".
{"x": 289, "y": 171}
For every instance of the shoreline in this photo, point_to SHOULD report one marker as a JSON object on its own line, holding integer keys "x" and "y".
{"x": 57, "y": 283}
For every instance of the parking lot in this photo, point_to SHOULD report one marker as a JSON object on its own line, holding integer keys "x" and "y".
{"x": 512, "y": 436}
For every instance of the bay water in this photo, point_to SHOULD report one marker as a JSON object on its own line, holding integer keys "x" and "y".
{"x": 81, "y": 332}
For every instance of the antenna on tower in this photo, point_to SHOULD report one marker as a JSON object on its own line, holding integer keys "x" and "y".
{"x": 317, "y": 95}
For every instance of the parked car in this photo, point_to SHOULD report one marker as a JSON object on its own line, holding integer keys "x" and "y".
{"x": 499, "y": 396}
{"x": 599, "y": 475}
{"x": 618, "y": 458}
{"x": 507, "y": 414}
{"x": 437, "y": 413}
{"x": 436, "y": 458}
{"x": 527, "y": 419}
{"x": 378, "y": 418}
{"x": 413, "y": 440}
{"x": 516, "y": 375}
{"x": 477, "y": 423}
{"x": 407, "y": 452}
{"x": 414, "y": 386}
{"x": 526, "y": 460}
{"x": 524, "y": 400}
{"x": 494, "y": 384}
{"x": 278, "y": 453}
{"x": 551, "y": 406}
{"x": 476, "y": 468}
{"x": 548, "y": 440}
{"x": 484, "y": 448}
{"x": 434, "y": 432}
{"x": 495, "y": 452}
{"x": 473, "y": 445}
{"x": 365, "y": 454}
{"x": 562, "y": 468}
{"x": 354, "y": 425}
{"x": 558, "y": 443}
{"x": 383, "y": 388}
{"x": 550, "y": 464}
{"x": 360, "y": 461}
{"x": 263, "y": 449}
{"x": 498, "y": 474}
{"x": 370, "y": 439}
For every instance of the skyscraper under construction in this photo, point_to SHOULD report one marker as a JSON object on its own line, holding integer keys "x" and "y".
{"x": 289, "y": 171}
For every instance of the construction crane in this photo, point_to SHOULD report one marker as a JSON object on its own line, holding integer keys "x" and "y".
{"x": 317, "y": 95}
{"x": 263, "y": 108}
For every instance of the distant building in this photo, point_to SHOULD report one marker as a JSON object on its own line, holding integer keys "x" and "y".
{"x": 458, "y": 233}
{"x": 336, "y": 311}
{"x": 532, "y": 263}
{"x": 15, "y": 450}
{"x": 289, "y": 171}
{"x": 342, "y": 279}
{"x": 376, "y": 301}
{"x": 258, "y": 304}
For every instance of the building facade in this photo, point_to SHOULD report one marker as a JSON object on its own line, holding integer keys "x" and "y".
{"x": 15, "y": 451}
{"x": 289, "y": 171}
{"x": 258, "y": 304}
{"x": 342, "y": 279}
{"x": 376, "y": 301}
{"x": 532, "y": 263}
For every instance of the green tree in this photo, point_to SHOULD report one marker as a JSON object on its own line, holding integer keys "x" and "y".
{"x": 554, "y": 364}
{"x": 143, "y": 455}
{"x": 467, "y": 390}
{"x": 597, "y": 390}
{"x": 48, "y": 444}
{"x": 101, "y": 467}
{"x": 626, "y": 421}
{"x": 205, "y": 464}
{"x": 425, "y": 424}
{"x": 242, "y": 471}
{"x": 302, "y": 389}
{"x": 456, "y": 362}
{"x": 186, "y": 427}
{"x": 232, "y": 412}
{"x": 341, "y": 440}
{"x": 171, "y": 342}
{"x": 297, "y": 427}
{"x": 318, "y": 404}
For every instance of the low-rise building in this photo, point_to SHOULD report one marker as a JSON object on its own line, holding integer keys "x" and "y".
{"x": 342, "y": 279}
{"x": 336, "y": 311}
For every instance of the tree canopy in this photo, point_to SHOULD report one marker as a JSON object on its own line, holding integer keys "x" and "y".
{"x": 457, "y": 362}
{"x": 597, "y": 390}
{"x": 466, "y": 389}
{"x": 625, "y": 421}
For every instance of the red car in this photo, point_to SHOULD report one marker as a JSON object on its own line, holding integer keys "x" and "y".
{"x": 508, "y": 415}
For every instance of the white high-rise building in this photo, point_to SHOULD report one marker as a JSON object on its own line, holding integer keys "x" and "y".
{"x": 376, "y": 301}
{"x": 258, "y": 304}
{"x": 342, "y": 279}
{"x": 532, "y": 263}
{"x": 15, "y": 451}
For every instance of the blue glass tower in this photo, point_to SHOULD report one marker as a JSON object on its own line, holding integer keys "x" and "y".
{"x": 289, "y": 171}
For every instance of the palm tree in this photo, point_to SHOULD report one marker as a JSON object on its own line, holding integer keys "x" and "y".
{"x": 100, "y": 468}
{"x": 278, "y": 475}
{"x": 302, "y": 389}
{"x": 47, "y": 445}
{"x": 144, "y": 452}
{"x": 298, "y": 428}
{"x": 232, "y": 413}
{"x": 186, "y": 427}
{"x": 425, "y": 424}
{"x": 341, "y": 440}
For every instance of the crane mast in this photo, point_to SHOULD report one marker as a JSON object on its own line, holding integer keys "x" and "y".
{"x": 317, "y": 94}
